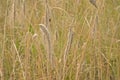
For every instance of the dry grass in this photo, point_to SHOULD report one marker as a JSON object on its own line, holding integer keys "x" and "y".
{"x": 59, "y": 40}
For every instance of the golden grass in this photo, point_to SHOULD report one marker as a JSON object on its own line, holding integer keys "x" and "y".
{"x": 59, "y": 40}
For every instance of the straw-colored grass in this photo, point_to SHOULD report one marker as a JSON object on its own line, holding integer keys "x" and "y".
{"x": 59, "y": 40}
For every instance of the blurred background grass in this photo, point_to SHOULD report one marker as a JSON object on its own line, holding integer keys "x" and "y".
{"x": 92, "y": 55}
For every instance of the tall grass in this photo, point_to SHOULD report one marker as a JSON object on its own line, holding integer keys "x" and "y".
{"x": 59, "y": 40}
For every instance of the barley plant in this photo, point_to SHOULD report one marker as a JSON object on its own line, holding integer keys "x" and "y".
{"x": 59, "y": 39}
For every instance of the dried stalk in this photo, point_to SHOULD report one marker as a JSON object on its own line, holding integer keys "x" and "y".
{"x": 67, "y": 49}
{"x": 19, "y": 59}
{"x": 48, "y": 38}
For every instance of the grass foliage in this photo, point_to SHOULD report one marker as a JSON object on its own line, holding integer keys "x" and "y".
{"x": 59, "y": 40}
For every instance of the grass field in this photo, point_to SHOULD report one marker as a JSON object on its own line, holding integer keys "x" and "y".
{"x": 59, "y": 40}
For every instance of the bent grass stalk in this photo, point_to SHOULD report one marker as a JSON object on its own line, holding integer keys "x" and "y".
{"x": 50, "y": 64}
{"x": 47, "y": 34}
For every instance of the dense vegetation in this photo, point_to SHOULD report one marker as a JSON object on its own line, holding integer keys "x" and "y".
{"x": 59, "y": 40}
